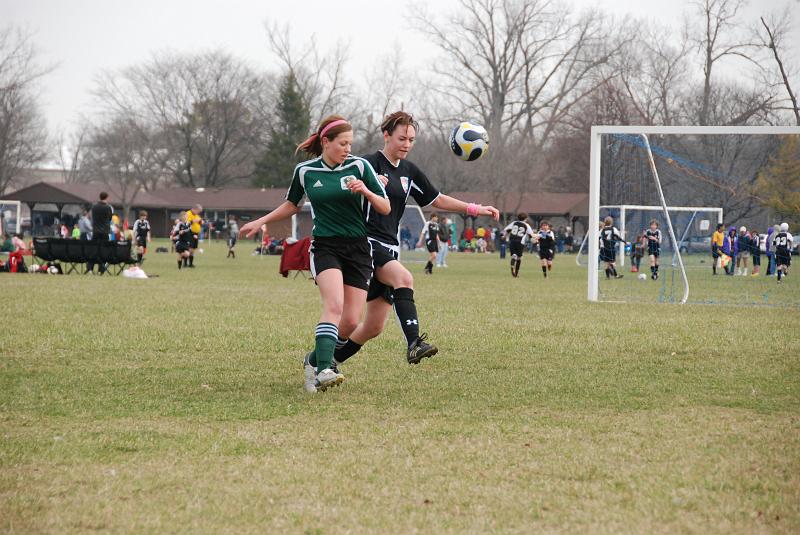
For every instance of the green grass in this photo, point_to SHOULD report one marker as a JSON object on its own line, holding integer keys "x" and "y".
{"x": 175, "y": 404}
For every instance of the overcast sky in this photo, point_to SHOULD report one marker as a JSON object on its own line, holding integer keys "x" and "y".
{"x": 83, "y": 37}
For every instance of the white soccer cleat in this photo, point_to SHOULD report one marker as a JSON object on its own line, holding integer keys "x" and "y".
{"x": 328, "y": 378}
{"x": 310, "y": 375}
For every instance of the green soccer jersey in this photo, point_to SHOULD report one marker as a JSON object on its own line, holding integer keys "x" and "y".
{"x": 336, "y": 211}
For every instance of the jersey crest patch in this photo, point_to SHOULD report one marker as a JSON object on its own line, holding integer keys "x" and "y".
{"x": 404, "y": 183}
{"x": 345, "y": 180}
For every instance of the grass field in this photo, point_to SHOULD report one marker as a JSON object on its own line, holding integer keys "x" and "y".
{"x": 175, "y": 404}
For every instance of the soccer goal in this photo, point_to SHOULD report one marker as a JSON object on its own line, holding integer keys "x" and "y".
{"x": 686, "y": 181}
{"x": 10, "y": 217}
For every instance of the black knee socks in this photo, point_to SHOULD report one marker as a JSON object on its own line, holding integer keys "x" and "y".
{"x": 544, "y": 270}
{"x": 346, "y": 351}
{"x": 406, "y": 311}
{"x": 191, "y": 259}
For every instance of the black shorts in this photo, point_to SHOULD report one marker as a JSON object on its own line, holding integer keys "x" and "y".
{"x": 756, "y": 259}
{"x": 546, "y": 254}
{"x": 607, "y": 255}
{"x": 432, "y": 245}
{"x": 181, "y": 246}
{"x": 783, "y": 259}
{"x": 193, "y": 242}
{"x": 516, "y": 248}
{"x": 715, "y": 251}
{"x": 141, "y": 242}
{"x": 655, "y": 253}
{"x": 381, "y": 255}
{"x": 351, "y": 256}
{"x": 231, "y": 242}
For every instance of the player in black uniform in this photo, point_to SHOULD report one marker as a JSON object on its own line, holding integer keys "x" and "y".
{"x": 653, "y": 235}
{"x": 547, "y": 246}
{"x": 141, "y": 234}
{"x": 183, "y": 239}
{"x": 392, "y": 283}
{"x": 782, "y": 245}
{"x": 430, "y": 237}
{"x": 517, "y": 233}
{"x": 609, "y": 237}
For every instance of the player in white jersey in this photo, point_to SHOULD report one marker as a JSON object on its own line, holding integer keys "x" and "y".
{"x": 517, "y": 233}
{"x": 782, "y": 243}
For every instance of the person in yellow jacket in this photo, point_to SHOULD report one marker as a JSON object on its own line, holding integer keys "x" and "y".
{"x": 195, "y": 220}
{"x": 716, "y": 248}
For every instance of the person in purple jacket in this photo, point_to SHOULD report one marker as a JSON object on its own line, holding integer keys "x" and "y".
{"x": 770, "y": 253}
{"x": 729, "y": 245}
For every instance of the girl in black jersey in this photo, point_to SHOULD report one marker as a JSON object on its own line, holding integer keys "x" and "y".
{"x": 392, "y": 282}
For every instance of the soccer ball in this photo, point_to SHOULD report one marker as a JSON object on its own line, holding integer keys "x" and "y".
{"x": 642, "y": 277}
{"x": 34, "y": 268}
{"x": 53, "y": 270}
{"x": 469, "y": 141}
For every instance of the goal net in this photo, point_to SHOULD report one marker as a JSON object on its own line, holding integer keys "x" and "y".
{"x": 685, "y": 181}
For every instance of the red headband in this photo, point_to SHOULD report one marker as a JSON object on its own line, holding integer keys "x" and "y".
{"x": 330, "y": 125}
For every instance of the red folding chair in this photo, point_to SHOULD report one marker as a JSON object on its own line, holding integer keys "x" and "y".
{"x": 296, "y": 257}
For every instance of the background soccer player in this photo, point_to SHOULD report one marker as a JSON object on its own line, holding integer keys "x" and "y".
{"x": 517, "y": 232}
{"x": 609, "y": 238}
{"x": 430, "y": 237}
{"x": 339, "y": 186}
{"x": 547, "y": 246}
{"x": 717, "y": 240}
{"x": 141, "y": 233}
{"x": 193, "y": 217}
{"x": 782, "y": 243}
{"x": 653, "y": 235}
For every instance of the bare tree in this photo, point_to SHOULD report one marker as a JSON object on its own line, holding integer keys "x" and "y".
{"x": 23, "y": 134}
{"x": 204, "y": 110}
{"x": 119, "y": 156}
{"x": 69, "y": 152}
{"x": 718, "y": 38}
{"x": 320, "y": 76}
{"x": 776, "y": 32}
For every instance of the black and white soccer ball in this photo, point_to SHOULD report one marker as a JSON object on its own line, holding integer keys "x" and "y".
{"x": 469, "y": 141}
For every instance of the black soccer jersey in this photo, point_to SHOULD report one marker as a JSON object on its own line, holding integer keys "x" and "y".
{"x": 653, "y": 245}
{"x": 141, "y": 228}
{"x": 518, "y": 232}
{"x": 405, "y": 179}
{"x": 183, "y": 233}
{"x": 431, "y": 230}
{"x": 782, "y": 241}
{"x": 547, "y": 240}
{"x": 609, "y": 237}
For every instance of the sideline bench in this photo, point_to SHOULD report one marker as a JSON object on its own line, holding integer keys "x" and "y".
{"x": 77, "y": 253}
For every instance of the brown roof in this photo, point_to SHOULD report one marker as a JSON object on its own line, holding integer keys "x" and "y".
{"x": 224, "y": 199}
{"x": 215, "y": 199}
{"x": 535, "y": 203}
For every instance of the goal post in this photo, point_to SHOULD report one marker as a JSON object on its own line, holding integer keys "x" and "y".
{"x": 648, "y": 185}
{"x": 10, "y": 210}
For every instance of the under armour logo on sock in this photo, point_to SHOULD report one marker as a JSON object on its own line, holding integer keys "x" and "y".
{"x": 412, "y": 322}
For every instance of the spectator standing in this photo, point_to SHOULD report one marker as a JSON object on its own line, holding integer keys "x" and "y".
{"x": 85, "y": 226}
{"x": 743, "y": 251}
{"x": 770, "y": 250}
{"x": 755, "y": 251}
{"x": 233, "y": 233}
{"x": 444, "y": 243}
{"x": 102, "y": 213}
{"x": 405, "y": 238}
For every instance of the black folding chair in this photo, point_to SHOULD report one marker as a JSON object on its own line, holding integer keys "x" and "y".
{"x": 122, "y": 255}
{"x": 75, "y": 256}
{"x": 41, "y": 250}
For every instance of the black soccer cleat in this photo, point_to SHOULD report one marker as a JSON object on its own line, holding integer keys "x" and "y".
{"x": 420, "y": 349}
